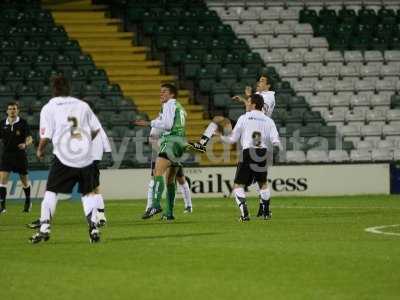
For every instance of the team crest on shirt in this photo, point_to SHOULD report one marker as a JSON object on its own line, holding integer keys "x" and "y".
{"x": 17, "y": 132}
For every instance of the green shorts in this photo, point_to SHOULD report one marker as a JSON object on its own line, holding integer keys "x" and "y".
{"x": 172, "y": 148}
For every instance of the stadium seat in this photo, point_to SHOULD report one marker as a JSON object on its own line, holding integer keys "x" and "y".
{"x": 360, "y": 155}
{"x": 295, "y": 156}
{"x": 351, "y": 130}
{"x": 371, "y": 130}
{"x": 381, "y": 155}
{"x": 338, "y": 156}
{"x": 389, "y": 130}
{"x": 317, "y": 156}
{"x": 355, "y": 117}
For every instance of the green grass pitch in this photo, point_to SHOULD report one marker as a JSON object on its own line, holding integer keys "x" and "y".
{"x": 313, "y": 248}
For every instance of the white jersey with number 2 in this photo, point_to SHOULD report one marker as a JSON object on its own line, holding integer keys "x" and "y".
{"x": 69, "y": 122}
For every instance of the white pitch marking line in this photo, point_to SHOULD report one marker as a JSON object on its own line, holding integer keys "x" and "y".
{"x": 377, "y": 229}
{"x": 333, "y": 207}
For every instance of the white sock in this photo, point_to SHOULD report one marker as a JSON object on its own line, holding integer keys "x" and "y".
{"x": 150, "y": 194}
{"x": 90, "y": 206}
{"x": 48, "y": 209}
{"x": 48, "y": 206}
{"x": 100, "y": 201}
{"x": 240, "y": 198}
{"x": 187, "y": 197}
{"x": 265, "y": 194}
{"x": 210, "y": 130}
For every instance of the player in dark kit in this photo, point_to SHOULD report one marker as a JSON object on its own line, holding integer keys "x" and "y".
{"x": 16, "y": 137}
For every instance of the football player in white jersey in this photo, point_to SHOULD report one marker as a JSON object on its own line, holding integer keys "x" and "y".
{"x": 101, "y": 145}
{"x": 223, "y": 125}
{"x": 255, "y": 131}
{"x": 70, "y": 125}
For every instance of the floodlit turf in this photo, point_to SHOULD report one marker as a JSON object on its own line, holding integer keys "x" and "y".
{"x": 313, "y": 248}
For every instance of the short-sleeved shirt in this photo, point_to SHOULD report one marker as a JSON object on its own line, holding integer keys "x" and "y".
{"x": 69, "y": 122}
{"x": 13, "y": 134}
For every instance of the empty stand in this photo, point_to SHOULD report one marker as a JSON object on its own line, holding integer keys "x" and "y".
{"x": 341, "y": 57}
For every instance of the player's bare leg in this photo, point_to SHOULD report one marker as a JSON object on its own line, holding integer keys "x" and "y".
{"x": 3, "y": 190}
{"x": 27, "y": 191}
{"x": 219, "y": 123}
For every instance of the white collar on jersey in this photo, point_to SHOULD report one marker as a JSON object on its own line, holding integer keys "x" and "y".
{"x": 266, "y": 92}
{"x": 8, "y": 122}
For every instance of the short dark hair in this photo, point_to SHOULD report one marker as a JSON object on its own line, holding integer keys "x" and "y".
{"x": 172, "y": 89}
{"x": 269, "y": 80}
{"x": 13, "y": 103}
{"x": 258, "y": 100}
{"x": 60, "y": 86}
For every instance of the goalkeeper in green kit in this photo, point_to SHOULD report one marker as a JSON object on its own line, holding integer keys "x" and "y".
{"x": 172, "y": 146}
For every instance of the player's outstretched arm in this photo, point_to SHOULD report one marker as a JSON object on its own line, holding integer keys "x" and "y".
{"x": 239, "y": 99}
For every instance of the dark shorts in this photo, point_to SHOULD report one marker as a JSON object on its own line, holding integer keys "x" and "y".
{"x": 62, "y": 178}
{"x": 179, "y": 173}
{"x": 17, "y": 163}
{"x": 252, "y": 167}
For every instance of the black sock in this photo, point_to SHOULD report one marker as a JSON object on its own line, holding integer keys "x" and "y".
{"x": 3, "y": 194}
{"x": 100, "y": 210}
{"x": 27, "y": 192}
{"x": 204, "y": 140}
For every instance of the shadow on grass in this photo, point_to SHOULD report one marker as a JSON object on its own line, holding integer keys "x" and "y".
{"x": 156, "y": 237}
{"x": 150, "y": 222}
{"x": 59, "y": 241}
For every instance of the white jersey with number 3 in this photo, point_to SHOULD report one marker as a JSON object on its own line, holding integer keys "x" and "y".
{"x": 255, "y": 130}
{"x": 69, "y": 122}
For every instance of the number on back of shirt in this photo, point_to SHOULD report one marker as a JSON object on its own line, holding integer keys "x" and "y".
{"x": 75, "y": 131}
{"x": 256, "y": 136}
